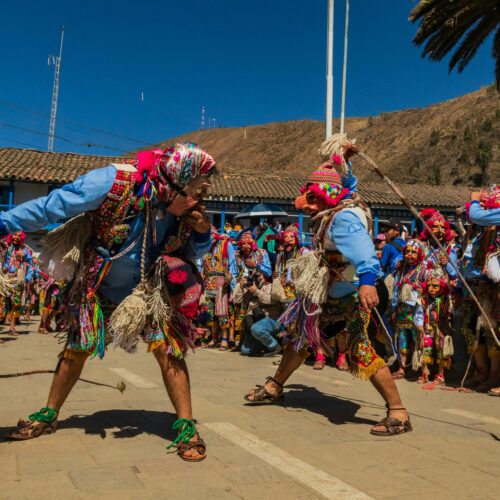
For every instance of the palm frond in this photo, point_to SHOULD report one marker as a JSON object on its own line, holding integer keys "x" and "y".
{"x": 458, "y": 26}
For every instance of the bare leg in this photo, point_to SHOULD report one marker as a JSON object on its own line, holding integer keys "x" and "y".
{"x": 65, "y": 377}
{"x": 176, "y": 378}
{"x": 494, "y": 369}
{"x": 482, "y": 368}
{"x": 386, "y": 387}
{"x": 214, "y": 340}
{"x": 44, "y": 321}
{"x": 67, "y": 373}
{"x": 290, "y": 361}
{"x": 401, "y": 372}
{"x": 12, "y": 329}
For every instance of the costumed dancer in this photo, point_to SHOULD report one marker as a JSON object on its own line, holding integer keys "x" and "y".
{"x": 289, "y": 248}
{"x": 408, "y": 279}
{"x": 329, "y": 301}
{"x": 433, "y": 321}
{"x": 442, "y": 231}
{"x": 248, "y": 259}
{"x": 18, "y": 266}
{"x": 122, "y": 217}
{"x": 482, "y": 271}
{"x": 219, "y": 272}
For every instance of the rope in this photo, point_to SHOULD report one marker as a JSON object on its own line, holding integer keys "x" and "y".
{"x": 144, "y": 243}
{"x": 120, "y": 386}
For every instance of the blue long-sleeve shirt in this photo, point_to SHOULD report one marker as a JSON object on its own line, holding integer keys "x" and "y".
{"x": 482, "y": 217}
{"x": 352, "y": 240}
{"x": 86, "y": 194}
{"x": 391, "y": 255}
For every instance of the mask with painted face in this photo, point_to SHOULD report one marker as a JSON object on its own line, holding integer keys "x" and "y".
{"x": 323, "y": 190}
{"x": 414, "y": 252}
{"x": 439, "y": 226}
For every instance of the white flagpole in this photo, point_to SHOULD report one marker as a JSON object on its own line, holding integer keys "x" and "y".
{"x": 329, "y": 72}
{"x": 344, "y": 71}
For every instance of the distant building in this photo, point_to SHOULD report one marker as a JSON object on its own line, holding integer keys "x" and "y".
{"x": 26, "y": 174}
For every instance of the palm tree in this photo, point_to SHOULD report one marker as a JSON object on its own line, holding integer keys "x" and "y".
{"x": 459, "y": 25}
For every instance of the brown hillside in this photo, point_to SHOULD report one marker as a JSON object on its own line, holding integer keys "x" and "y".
{"x": 454, "y": 142}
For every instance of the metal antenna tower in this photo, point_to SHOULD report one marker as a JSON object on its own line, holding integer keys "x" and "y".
{"x": 55, "y": 61}
{"x": 203, "y": 118}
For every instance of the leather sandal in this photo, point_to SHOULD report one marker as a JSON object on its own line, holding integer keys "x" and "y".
{"x": 38, "y": 424}
{"x": 393, "y": 426}
{"x": 262, "y": 396}
{"x": 199, "y": 446}
{"x": 188, "y": 439}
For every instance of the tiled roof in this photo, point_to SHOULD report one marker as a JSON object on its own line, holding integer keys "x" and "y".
{"x": 60, "y": 168}
{"x": 375, "y": 193}
{"x": 40, "y": 166}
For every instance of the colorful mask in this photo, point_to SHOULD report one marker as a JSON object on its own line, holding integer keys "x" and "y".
{"x": 439, "y": 226}
{"x": 16, "y": 238}
{"x": 435, "y": 281}
{"x": 414, "y": 252}
{"x": 323, "y": 189}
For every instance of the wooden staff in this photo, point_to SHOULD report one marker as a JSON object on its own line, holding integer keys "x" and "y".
{"x": 417, "y": 215}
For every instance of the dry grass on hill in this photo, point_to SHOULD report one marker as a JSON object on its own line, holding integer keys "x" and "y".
{"x": 453, "y": 142}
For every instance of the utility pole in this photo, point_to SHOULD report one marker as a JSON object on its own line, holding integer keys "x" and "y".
{"x": 344, "y": 71}
{"x": 56, "y": 61}
{"x": 329, "y": 71}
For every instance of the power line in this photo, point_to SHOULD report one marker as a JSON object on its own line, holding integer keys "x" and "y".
{"x": 23, "y": 143}
{"x": 37, "y": 132}
{"x": 22, "y": 109}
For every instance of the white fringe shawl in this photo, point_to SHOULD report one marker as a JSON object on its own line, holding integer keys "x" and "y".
{"x": 63, "y": 247}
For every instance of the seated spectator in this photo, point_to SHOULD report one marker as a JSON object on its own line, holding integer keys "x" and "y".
{"x": 259, "y": 328}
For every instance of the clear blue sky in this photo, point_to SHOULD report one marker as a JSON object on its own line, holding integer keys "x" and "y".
{"x": 247, "y": 62}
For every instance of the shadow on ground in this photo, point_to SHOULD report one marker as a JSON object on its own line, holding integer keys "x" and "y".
{"x": 118, "y": 424}
{"x": 337, "y": 410}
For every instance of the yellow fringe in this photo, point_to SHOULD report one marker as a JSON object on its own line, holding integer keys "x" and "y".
{"x": 481, "y": 349}
{"x": 366, "y": 373}
{"x": 73, "y": 354}
{"x": 152, "y": 346}
{"x": 494, "y": 353}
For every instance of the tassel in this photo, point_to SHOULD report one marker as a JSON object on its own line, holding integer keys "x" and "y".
{"x": 493, "y": 267}
{"x": 390, "y": 283}
{"x": 129, "y": 318}
{"x": 157, "y": 302}
{"x": 277, "y": 291}
{"x": 448, "y": 349}
{"x": 6, "y": 286}
{"x": 416, "y": 360}
{"x": 63, "y": 247}
{"x": 310, "y": 277}
{"x": 336, "y": 145}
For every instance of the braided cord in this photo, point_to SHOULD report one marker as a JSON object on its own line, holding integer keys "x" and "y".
{"x": 46, "y": 414}
{"x": 187, "y": 430}
{"x": 145, "y": 243}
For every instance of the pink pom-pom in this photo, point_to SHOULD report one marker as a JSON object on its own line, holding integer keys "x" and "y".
{"x": 336, "y": 159}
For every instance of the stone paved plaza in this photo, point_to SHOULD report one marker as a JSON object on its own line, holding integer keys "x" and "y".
{"x": 315, "y": 444}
